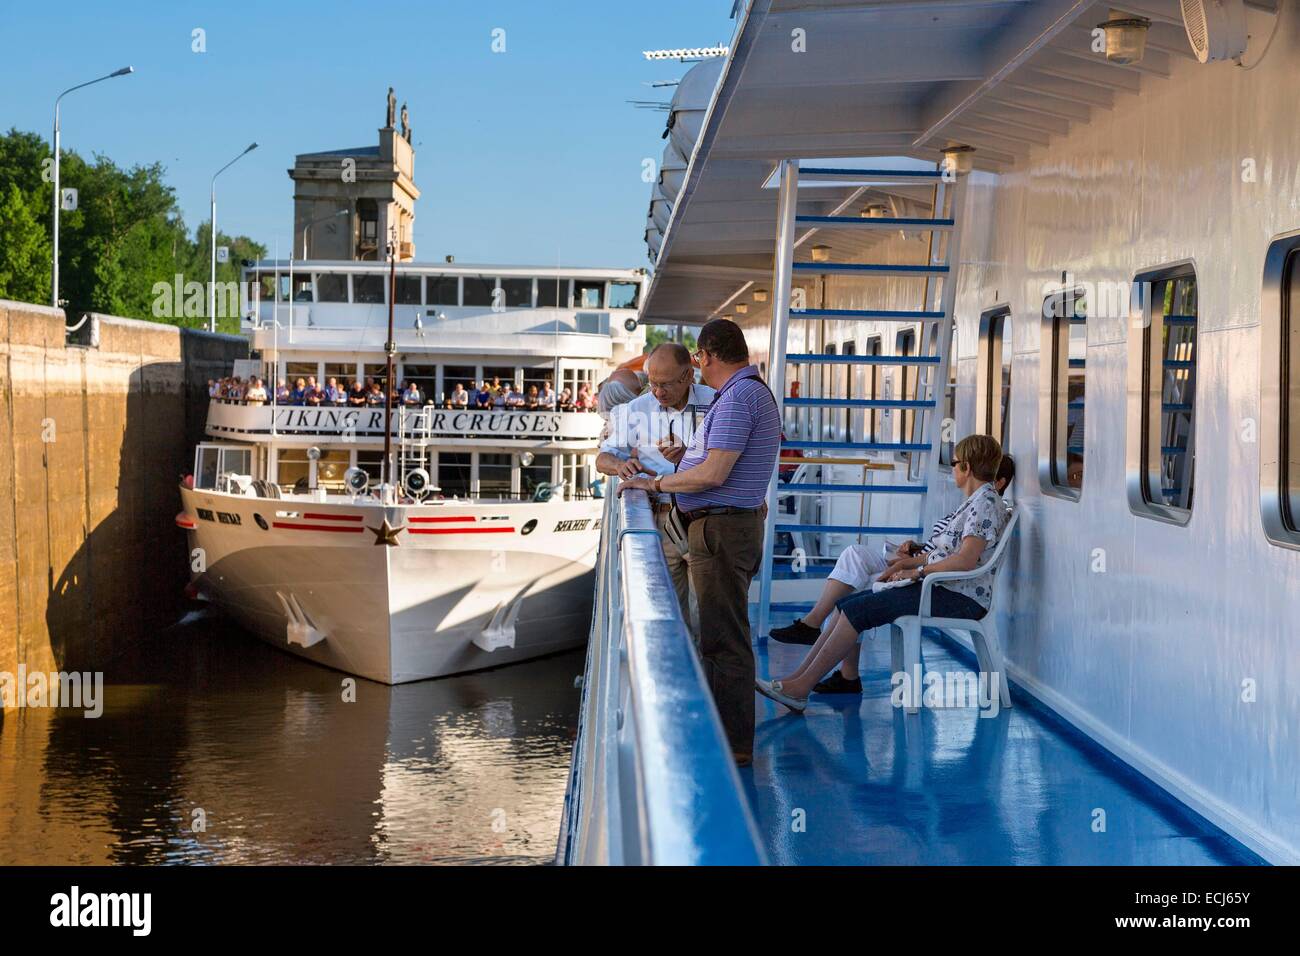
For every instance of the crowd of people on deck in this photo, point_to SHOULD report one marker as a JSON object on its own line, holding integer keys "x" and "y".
{"x": 494, "y": 395}
{"x": 705, "y": 453}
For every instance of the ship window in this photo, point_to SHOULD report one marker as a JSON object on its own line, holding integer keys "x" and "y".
{"x": 494, "y": 473}
{"x": 518, "y": 293}
{"x": 575, "y": 476}
{"x": 368, "y": 289}
{"x": 587, "y": 294}
{"x": 575, "y": 378}
{"x": 530, "y": 476}
{"x": 454, "y": 474}
{"x": 624, "y": 295}
{"x": 344, "y": 373}
{"x": 408, "y": 290}
{"x": 539, "y": 377}
{"x": 873, "y": 380}
{"x": 849, "y": 348}
{"x": 266, "y": 286}
{"x": 1063, "y": 358}
{"x": 501, "y": 374}
{"x": 299, "y": 370}
{"x": 237, "y": 461}
{"x": 293, "y": 468}
{"x": 1288, "y": 393}
{"x": 993, "y": 386}
{"x": 553, "y": 293}
{"x": 453, "y": 375}
{"x": 825, "y": 416}
{"x": 205, "y": 467}
{"x": 372, "y": 463}
{"x": 330, "y": 467}
{"x": 1162, "y": 393}
{"x": 1279, "y": 438}
{"x": 479, "y": 289}
{"x": 904, "y": 347}
{"x": 443, "y": 290}
{"x": 331, "y": 287}
{"x": 376, "y": 373}
{"x": 948, "y": 425}
{"x": 425, "y": 379}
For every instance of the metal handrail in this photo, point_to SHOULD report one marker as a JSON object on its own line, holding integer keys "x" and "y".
{"x": 653, "y": 781}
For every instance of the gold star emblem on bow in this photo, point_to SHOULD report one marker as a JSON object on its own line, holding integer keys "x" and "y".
{"x": 386, "y": 534}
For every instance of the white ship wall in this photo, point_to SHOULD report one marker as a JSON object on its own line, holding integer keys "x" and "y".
{"x": 1150, "y": 656}
{"x": 1154, "y": 651}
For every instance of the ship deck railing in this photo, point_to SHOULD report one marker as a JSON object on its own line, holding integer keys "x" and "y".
{"x": 653, "y": 781}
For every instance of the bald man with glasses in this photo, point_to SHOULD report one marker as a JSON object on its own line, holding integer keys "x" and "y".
{"x": 649, "y": 435}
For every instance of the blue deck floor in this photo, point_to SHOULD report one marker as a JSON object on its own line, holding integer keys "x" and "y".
{"x": 876, "y": 786}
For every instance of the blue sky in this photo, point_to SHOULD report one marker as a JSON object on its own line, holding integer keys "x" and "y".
{"x": 527, "y": 156}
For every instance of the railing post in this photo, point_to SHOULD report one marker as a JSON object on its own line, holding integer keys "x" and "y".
{"x": 787, "y": 203}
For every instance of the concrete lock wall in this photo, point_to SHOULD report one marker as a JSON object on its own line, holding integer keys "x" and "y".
{"x": 93, "y": 442}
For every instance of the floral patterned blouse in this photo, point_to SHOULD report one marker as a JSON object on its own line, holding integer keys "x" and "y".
{"x": 983, "y": 514}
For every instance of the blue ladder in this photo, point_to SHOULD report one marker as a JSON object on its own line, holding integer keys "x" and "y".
{"x": 933, "y": 321}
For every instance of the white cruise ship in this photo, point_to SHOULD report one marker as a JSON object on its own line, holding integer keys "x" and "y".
{"x": 475, "y": 546}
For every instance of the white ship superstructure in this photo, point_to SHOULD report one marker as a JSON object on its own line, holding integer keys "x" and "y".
{"x": 475, "y": 546}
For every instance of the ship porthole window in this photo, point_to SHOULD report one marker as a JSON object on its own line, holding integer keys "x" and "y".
{"x": 261, "y": 522}
{"x": 1279, "y": 398}
{"x": 993, "y": 375}
{"x": 1063, "y": 364}
{"x": 1162, "y": 361}
{"x": 529, "y": 526}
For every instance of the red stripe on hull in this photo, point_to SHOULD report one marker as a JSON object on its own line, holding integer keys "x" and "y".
{"x": 318, "y": 517}
{"x": 460, "y": 530}
{"x": 314, "y": 527}
{"x": 443, "y": 518}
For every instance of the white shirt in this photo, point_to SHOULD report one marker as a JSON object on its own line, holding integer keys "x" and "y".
{"x": 637, "y": 427}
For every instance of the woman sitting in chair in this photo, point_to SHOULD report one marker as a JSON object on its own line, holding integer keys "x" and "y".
{"x": 856, "y": 568}
{"x": 957, "y": 546}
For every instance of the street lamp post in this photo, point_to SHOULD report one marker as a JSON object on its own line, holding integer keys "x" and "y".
{"x": 58, "y": 198}
{"x": 212, "y": 283}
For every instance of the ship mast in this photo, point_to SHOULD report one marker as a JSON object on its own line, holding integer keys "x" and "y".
{"x": 390, "y": 348}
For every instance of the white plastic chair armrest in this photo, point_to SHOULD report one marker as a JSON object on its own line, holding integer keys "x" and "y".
{"x": 929, "y": 580}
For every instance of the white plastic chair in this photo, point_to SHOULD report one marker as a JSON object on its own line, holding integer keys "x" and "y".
{"x": 905, "y": 632}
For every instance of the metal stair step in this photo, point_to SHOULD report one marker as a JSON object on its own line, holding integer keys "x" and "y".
{"x": 870, "y": 268}
{"x": 848, "y": 529}
{"x": 819, "y": 358}
{"x": 887, "y": 222}
{"x": 896, "y": 315}
{"x": 859, "y": 403}
{"x": 865, "y": 445}
{"x": 805, "y": 488}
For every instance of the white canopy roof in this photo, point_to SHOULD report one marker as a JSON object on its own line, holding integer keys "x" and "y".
{"x": 875, "y": 78}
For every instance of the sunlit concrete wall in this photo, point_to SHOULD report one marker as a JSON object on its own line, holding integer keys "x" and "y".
{"x": 94, "y": 439}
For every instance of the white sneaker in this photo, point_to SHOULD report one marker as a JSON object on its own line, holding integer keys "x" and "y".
{"x": 771, "y": 689}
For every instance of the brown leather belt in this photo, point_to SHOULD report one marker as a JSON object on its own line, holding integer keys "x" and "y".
{"x": 721, "y": 510}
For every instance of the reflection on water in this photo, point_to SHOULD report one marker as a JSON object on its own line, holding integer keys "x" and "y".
{"x": 205, "y": 727}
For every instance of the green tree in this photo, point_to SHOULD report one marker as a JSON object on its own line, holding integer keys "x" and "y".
{"x": 125, "y": 237}
{"x": 658, "y": 334}
{"x": 24, "y": 250}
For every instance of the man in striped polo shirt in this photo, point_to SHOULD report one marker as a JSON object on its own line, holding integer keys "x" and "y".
{"x": 720, "y": 488}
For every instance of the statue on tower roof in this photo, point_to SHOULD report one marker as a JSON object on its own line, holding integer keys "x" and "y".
{"x": 406, "y": 124}
{"x": 392, "y": 108}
